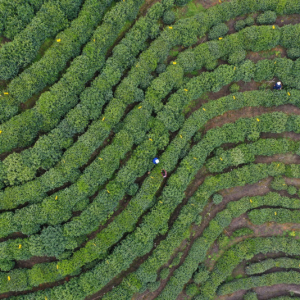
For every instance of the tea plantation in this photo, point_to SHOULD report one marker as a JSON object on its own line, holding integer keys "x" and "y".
{"x": 150, "y": 149}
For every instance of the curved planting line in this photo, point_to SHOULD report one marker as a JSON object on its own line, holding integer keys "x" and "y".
{"x": 96, "y": 210}
{"x": 30, "y": 243}
{"x": 282, "y": 262}
{"x": 273, "y": 215}
{"x": 105, "y": 159}
{"x": 290, "y": 277}
{"x": 46, "y": 71}
{"x": 48, "y": 148}
{"x": 52, "y": 17}
{"x": 87, "y": 290}
{"x": 212, "y": 54}
{"x": 201, "y": 149}
{"x": 15, "y": 15}
{"x": 244, "y": 250}
{"x": 32, "y": 190}
{"x": 63, "y": 95}
{"x": 245, "y": 153}
{"x": 131, "y": 244}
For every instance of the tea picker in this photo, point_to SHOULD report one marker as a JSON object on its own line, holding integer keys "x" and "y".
{"x": 155, "y": 160}
{"x": 277, "y": 86}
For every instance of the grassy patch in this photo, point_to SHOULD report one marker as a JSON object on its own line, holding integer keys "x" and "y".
{"x": 48, "y": 42}
{"x": 188, "y": 10}
{"x": 173, "y": 53}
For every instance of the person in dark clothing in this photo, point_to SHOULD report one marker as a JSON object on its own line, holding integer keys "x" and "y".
{"x": 164, "y": 173}
{"x": 277, "y": 86}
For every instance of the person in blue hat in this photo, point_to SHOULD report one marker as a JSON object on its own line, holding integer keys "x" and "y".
{"x": 277, "y": 86}
{"x": 155, "y": 160}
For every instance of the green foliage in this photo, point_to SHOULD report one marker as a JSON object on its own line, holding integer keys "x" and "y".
{"x": 6, "y": 265}
{"x": 249, "y": 21}
{"x": 242, "y": 232}
{"x": 237, "y": 57}
{"x": 15, "y": 15}
{"x": 153, "y": 286}
{"x": 201, "y": 275}
{"x": 261, "y": 267}
{"x": 234, "y": 88}
{"x": 191, "y": 290}
{"x": 292, "y": 190}
{"x": 217, "y": 199}
{"x": 161, "y": 68}
{"x": 164, "y": 273}
{"x": 217, "y": 31}
{"x": 250, "y": 296}
{"x": 293, "y": 53}
{"x": 279, "y": 184}
{"x": 267, "y": 17}
{"x": 239, "y": 25}
{"x": 169, "y": 17}
{"x": 150, "y": 135}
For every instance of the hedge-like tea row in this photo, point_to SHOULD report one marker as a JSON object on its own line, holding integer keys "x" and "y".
{"x": 15, "y": 15}
{"x": 64, "y": 208}
{"x": 245, "y": 153}
{"x": 78, "y": 291}
{"x": 46, "y": 70}
{"x": 157, "y": 223}
{"x": 188, "y": 63}
{"x": 282, "y": 262}
{"x": 291, "y": 277}
{"x": 50, "y": 19}
{"x": 244, "y": 250}
{"x": 55, "y": 177}
{"x": 47, "y": 150}
{"x": 28, "y": 219}
{"x": 273, "y": 215}
{"x": 24, "y": 168}
{"x": 65, "y": 266}
{"x": 179, "y": 231}
{"x": 63, "y": 95}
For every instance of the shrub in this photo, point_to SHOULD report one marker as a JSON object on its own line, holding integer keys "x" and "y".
{"x": 242, "y": 231}
{"x": 6, "y": 265}
{"x": 249, "y": 21}
{"x": 202, "y": 275}
{"x": 234, "y": 88}
{"x": 217, "y": 31}
{"x": 181, "y": 2}
{"x": 267, "y": 17}
{"x": 132, "y": 189}
{"x": 240, "y": 24}
{"x": 153, "y": 286}
{"x": 164, "y": 273}
{"x": 176, "y": 259}
{"x": 168, "y": 17}
{"x": 278, "y": 183}
{"x": 293, "y": 53}
{"x": 161, "y": 68}
{"x": 292, "y": 190}
{"x": 217, "y": 198}
{"x": 250, "y": 296}
{"x": 237, "y": 57}
{"x": 191, "y": 290}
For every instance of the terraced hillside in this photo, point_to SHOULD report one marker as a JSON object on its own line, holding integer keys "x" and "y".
{"x": 91, "y": 91}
